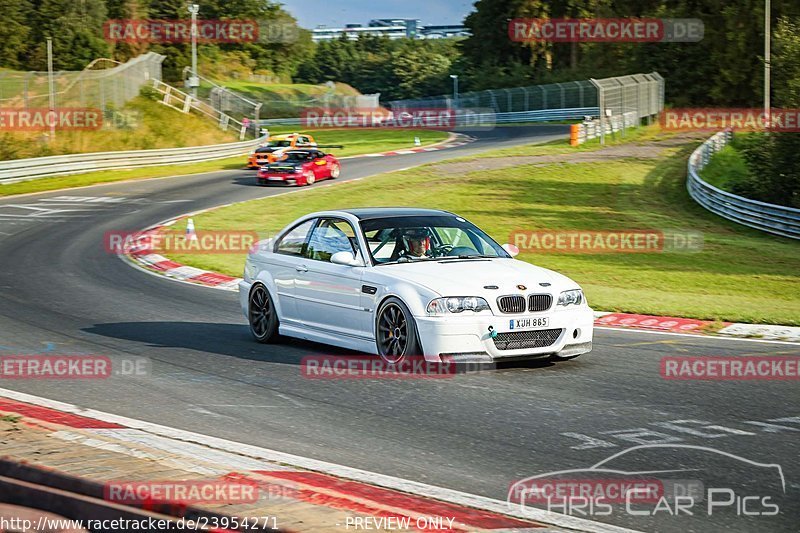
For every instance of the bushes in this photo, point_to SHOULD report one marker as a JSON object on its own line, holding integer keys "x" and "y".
{"x": 760, "y": 166}
{"x": 774, "y": 163}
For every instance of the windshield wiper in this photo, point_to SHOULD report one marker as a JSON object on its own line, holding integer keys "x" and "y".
{"x": 404, "y": 259}
{"x": 467, "y": 256}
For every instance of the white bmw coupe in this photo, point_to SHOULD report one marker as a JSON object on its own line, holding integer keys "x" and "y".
{"x": 402, "y": 282}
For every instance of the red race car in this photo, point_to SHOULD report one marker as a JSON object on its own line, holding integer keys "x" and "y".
{"x": 300, "y": 167}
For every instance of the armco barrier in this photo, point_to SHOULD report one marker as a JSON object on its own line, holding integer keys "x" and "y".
{"x": 776, "y": 219}
{"x": 478, "y": 119}
{"x": 594, "y": 127}
{"x": 18, "y": 170}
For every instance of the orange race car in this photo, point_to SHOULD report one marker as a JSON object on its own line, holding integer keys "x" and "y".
{"x": 273, "y": 150}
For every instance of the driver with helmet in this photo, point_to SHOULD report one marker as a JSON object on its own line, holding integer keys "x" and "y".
{"x": 416, "y": 243}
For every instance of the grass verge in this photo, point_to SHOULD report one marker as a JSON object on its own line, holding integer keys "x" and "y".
{"x": 368, "y": 141}
{"x": 740, "y": 274}
{"x": 354, "y": 141}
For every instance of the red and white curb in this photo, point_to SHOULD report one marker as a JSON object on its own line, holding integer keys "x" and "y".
{"x": 691, "y": 325}
{"x": 320, "y": 483}
{"x": 138, "y": 252}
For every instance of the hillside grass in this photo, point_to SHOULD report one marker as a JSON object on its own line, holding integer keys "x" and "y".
{"x": 145, "y": 124}
{"x": 740, "y": 274}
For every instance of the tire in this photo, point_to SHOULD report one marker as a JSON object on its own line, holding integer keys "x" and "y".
{"x": 310, "y": 178}
{"x": 335, "y": 171}
{"x": 261, "y": 315}
{"x": 395, "y": 331}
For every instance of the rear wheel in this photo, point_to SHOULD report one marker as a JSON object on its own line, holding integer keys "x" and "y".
{"x": 395, "y": 332}
{"x": 335, "y": 170}
{"x": 261, "y": 315}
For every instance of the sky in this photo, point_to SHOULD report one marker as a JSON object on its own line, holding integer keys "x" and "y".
{"x": 333, "y": 13}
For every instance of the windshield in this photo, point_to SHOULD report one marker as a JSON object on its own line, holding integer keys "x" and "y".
{"x": 427, "y": 238}
{"x": 298, "y": 156}
{"x": 278, "y": 144}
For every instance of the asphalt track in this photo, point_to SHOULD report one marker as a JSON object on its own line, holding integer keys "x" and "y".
{"x": 477, "y": 432}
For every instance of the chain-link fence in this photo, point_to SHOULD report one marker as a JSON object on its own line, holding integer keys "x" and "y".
{"x": 294, "y": 105}
{"x": 572, "y": 94}
{"x": 639, "y": 94}
{"x": 272, "y": 104}
{"x": 104, "y": 84}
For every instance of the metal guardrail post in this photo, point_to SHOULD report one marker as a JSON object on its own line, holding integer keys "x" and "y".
{"x": 601, "y": 106}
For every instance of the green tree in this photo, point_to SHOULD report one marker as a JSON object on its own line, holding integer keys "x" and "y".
{"x": 786, "y": 63}
{"x": 76, "y": 29}
{"x": 13, "y": 32}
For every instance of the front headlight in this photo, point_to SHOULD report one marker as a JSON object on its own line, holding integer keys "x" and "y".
{"x": 574, "y": 296}
{"x": 456, "y": 304}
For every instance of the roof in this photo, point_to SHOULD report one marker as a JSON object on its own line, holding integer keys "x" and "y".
{"x": 286, "y": 136}
{"x": 365, "y": 213}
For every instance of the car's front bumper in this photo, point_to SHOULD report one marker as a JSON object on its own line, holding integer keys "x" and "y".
{"x": 288, "y": 179}
{"x": 467, "y": 338}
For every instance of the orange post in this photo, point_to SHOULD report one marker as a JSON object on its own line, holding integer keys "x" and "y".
{"x": 574, "y": 134}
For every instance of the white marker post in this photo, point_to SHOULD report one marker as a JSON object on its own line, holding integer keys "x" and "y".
{"x": 190, "y": 233}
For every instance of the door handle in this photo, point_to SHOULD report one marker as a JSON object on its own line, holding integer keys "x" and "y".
{"x": 301, "y": 268}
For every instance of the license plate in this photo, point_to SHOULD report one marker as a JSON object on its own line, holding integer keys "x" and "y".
{"x": 275, "y": 178}
{"x": 528, "y": 323}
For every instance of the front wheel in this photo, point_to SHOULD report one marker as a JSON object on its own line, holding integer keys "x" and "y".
{"x": 310, "y": 178}
{"x": 261, "y": 315}
{"x": 395, "y": 332}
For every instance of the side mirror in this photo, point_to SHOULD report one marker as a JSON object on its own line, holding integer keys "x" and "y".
{"x": 345, "y": 258}
{"x": 320, "y": 162}
{"x": 512, "y": 250}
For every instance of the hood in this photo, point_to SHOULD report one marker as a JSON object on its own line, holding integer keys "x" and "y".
{"x": 283, "y": 166}
{"x": 470, "y": 277}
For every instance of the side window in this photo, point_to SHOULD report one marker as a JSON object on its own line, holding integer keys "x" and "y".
{"x": 294, "y": 242}
{"x": 331, "y": 236}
